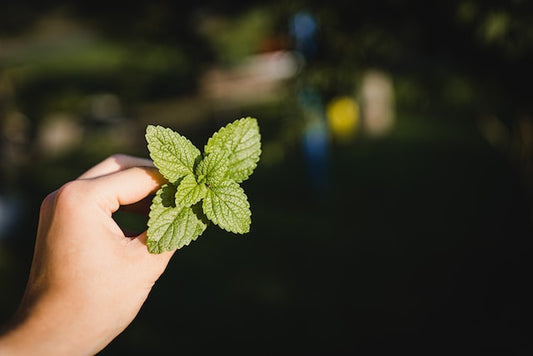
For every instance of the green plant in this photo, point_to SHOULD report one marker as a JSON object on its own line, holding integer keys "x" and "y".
{"x": 201, "y": 188}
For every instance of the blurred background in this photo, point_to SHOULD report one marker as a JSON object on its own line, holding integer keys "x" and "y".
{"x": 392, "y": 206}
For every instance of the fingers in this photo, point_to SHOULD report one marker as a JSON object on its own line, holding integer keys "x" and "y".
{"x": 125, "y": 187}
{"x": 140, "y": 243}
{"x": 114, "y": 164}
{"x": 142, "y": 207}
{"x": 126, "y": 181}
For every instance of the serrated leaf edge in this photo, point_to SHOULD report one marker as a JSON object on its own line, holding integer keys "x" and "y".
{"x": 215, "y": 219}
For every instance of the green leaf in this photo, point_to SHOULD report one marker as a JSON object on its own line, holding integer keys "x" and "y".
{"x": 173, "y": 154}
{"x": 227, "y": 206}
{"x": 178, "y": 215}
{"x": 198, "y": 210}
{"x": 213, "y": 167}
{"x": 168, "y": 195}
{"x": 171, "y": 227}
{"x": 242, "y": 140}
{"x": 189, "y": 192}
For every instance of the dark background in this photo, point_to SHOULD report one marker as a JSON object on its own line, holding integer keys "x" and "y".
{"x": 415, "y": 240}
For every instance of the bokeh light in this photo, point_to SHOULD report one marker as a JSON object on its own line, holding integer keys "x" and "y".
{"x": 343, "y": 118}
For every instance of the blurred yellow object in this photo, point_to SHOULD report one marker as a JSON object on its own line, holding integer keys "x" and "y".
{"x": 343, "y": 118}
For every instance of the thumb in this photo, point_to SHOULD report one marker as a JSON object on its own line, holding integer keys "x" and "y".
{"x": 126, "y": 187}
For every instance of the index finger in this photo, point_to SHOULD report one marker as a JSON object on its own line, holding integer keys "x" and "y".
{"x": 125, "y": 187}
{"x": 115, "y": 163}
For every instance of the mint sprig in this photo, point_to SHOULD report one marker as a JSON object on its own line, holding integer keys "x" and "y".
{"x": 177, "y": 214}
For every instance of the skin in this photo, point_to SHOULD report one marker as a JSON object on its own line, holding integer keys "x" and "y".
{"x": 88, "y": 280}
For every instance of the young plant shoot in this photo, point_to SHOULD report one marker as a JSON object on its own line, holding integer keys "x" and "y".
{"x": 202, "y": 187}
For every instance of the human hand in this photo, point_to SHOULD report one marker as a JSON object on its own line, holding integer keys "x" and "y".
{"x": 88, "y": 280}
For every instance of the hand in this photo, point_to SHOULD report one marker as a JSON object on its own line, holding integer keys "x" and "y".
{"x": 88, "y": 280}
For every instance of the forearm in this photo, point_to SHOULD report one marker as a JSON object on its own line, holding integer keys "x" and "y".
{"x": 51, "y": 329}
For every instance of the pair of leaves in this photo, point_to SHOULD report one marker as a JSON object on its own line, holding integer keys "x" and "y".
{"x": 201, "y": 187}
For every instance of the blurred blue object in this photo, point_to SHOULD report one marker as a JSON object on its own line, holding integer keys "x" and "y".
{"x": 303, "y": 28}
{"x": 315, "y": 138}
